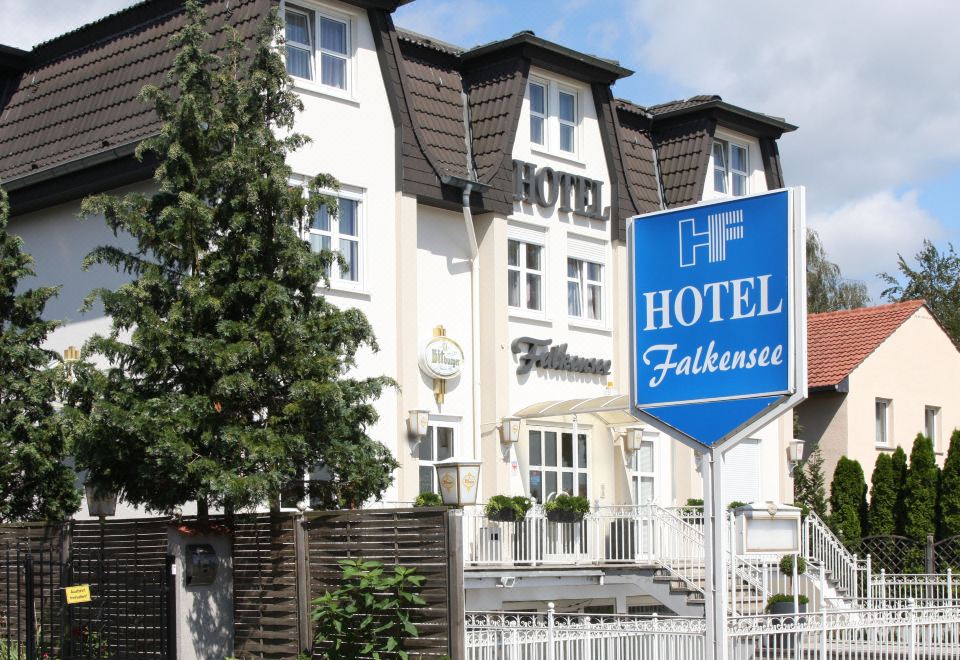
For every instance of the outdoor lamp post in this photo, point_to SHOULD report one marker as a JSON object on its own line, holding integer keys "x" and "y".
{"x": 100, "y": 503}
{"x": 459, "y": 481}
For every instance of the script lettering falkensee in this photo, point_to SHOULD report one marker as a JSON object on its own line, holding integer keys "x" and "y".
{"x": 741, "y": 298}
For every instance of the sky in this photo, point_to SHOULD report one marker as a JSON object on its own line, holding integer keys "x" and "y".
{"x": 874, "y": 87}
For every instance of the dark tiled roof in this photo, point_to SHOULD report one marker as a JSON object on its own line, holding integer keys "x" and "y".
{"x": 837, "y": 342}
{"x": 495, "y": 94}
{"x": 78, "y": 97}
{"x": 428, "y": 42}
{"x": 684, "y": 153}
{"x": 682, "y": 104}
{"x": 435, "y": 91}
{"x": 639, "y": 162}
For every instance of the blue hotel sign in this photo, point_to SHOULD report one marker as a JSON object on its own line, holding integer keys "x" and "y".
{"x": 718, "y": 315}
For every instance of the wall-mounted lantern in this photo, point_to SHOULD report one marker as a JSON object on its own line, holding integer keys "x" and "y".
{"x": 417, "y": 423}
{"x": 459, "y": 481}
{"x": 635, "y": 436}
{"x": 794, "y": 453}
{"x": 510, "y": 430}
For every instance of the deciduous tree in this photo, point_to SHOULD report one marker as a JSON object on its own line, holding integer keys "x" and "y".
{"x": 935, "y": 279}
{"x": 827, "y": 289}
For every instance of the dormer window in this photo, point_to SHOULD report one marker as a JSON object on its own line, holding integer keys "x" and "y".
{"x": 730, "y": 168}
{"x": 317, "y": 46}
{"x": 554, "y": 117}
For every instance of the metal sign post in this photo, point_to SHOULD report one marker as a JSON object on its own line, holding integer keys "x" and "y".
{"x": 718, "y": 339}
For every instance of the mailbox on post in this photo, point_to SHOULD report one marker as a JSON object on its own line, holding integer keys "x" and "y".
{"x": 202, "y": 564}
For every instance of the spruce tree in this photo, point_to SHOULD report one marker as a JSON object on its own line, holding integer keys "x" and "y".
{"x": 920, "y": 499}
{"x": 811, "y": 491}
{"x": 950, "y": 490}
{"x": 34, "y": 482}
{"x": 898, "y": 461}
{"x": 884, "y": 483}
{"x": 230, "y": 374}
{"x": 848, "y": 502}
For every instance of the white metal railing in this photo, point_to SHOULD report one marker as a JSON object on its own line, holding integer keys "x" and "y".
{"x": 887, "y": 589}
{"x": 837, "y": 564}
{"x": 559, "y": 636}
{"x": 906, "y": 633}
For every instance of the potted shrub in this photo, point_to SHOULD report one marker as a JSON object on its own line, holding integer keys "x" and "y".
{"x": 567, "y": 508}
{"x": 786, "y": 565}
{"x": 428, "y": 499}
{"x": 783, "y": 604}
{"x": 502, "y": 508}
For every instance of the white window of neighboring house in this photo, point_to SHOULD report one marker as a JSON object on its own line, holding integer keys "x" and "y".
{"x": 317, "y": 41}
{"x": 554, "y": 116}
{"x": 525, "y": 275}
{"x": 584, "y": 289}
{"x": 931, "y": 425}
{"x": 557, "y": 463}
{"x": 538, "y": 113}
{"x": 342, "y": 233}
{"x": 730, "y": 168}
{"x": 882, "y": 414}
{"x": 642, "y": 473}
{"x": 436, "y": 446}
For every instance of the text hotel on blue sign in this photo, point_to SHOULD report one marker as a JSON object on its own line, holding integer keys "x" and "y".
{"x": 712, "y": 313}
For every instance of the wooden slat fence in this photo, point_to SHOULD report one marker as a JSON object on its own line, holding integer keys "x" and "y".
{"x": 265, "y": 587}
{"x": 413, "y": 538}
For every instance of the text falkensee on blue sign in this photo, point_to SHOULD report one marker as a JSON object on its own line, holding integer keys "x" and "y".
{"x": 712, "y": 312}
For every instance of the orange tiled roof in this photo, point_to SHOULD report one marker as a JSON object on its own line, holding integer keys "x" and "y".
{"x": 837, "y": 342}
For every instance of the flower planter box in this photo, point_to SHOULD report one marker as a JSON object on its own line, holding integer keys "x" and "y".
{"x": 567, "y": 517}
{"x": 505, "y": 515}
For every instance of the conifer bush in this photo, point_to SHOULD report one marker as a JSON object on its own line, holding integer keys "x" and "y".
{"x": 884, "y": 490}
{"x": 848, "y": 501}
{"x": 920, "y": 499}
{"x": 950, "y": 490}
{"x": 898, "y": 461}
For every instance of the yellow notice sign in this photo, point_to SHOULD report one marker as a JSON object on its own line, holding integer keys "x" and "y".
{"x": 78, "y": 593}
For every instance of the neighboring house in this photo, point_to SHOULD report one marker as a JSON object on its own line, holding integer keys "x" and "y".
{"x": 877, "y": 377}
{"x": 555, "y": 165}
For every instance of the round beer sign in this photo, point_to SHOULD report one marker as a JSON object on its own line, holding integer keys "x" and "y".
{"x": 442, "y": 358}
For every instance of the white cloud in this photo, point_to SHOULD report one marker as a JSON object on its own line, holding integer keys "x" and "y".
{"x": 873, "y": 86}
{"x": 864, "y": 236}
{"x": 454, "y": 22}
{"x": 23, "y": 26}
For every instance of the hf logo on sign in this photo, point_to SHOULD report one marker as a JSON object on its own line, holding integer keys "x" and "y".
{"x": 721, "y": 228}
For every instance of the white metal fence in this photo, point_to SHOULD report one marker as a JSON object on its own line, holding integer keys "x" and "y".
{"x": 552, "y": 636}
{"x": 906, "y": 633}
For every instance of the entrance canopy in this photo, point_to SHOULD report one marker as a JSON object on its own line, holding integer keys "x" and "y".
{"x": 611, "y": 410}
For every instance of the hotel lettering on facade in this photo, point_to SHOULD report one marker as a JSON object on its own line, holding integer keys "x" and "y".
{"x": 483, "y": 199}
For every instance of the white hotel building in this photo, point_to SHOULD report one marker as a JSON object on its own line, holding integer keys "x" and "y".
{"x": 485, "y": 193}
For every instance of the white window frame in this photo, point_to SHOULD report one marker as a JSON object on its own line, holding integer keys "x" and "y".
{"x": 576, "y": 470}
{"x": 637, "y": 475}
{"x": 729, "y": 173}
{"x": 431, "y": 437}
{"x": 882, "y": 424}
{"x": 583, "y": 282}
{"x": 935, "y": 434}
{"x": 315, "y": 12}
{"x": 337, "y": 281}
{"x": 523, "y": 270}
{"x": 543, "y": 116}
{"x": 551, "y": 116}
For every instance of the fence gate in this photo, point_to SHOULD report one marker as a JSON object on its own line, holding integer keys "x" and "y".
{"x": 127, "y": 615}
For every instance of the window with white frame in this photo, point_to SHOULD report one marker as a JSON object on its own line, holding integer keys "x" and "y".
{"x": 436, "y": 446}
{"x": 317, "y": 46}
{"x": 341, "y": 233}
{"x": 554, "y": 116}
{"x": 538, "y": 113}
{"x": 584, "y": 289}
{"x": 730, "y": 168}
{"x": 642, "y": 473}
{"x": 557, "y": 463}
{"x": 882, "y": 415}
{"x": 525, "y": 275}
{"x": 931, "y": 425}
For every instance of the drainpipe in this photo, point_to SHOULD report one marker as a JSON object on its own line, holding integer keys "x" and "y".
{"x": 467, "y": 187}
